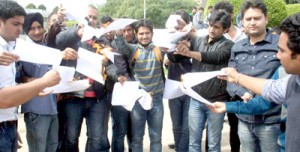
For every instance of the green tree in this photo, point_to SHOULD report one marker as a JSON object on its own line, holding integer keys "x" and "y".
{"x": 157, "y": 11}
{"x": 276, "y": 9}
{"x": 42, "y": 7}
{"x": 31, "y": 6}
{"x": 291, "y": 1}
{"x": 292, "y": 9}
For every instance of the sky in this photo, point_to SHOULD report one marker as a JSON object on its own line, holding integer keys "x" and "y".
{"x": 50, "y": 4}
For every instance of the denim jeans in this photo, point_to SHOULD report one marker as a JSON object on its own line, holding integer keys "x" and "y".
{"x": 121, "y": 126}
{"x": 41, "y": 132}
{"x": 179, "y": 109}
{"x": 199, "y": 113}
{"x": 259, "y": 137}
{"x": 154, "y": 118}
{"x": 8, "y": 138}
{"x": 94, "y": 111}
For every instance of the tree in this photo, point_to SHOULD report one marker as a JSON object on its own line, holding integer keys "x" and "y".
{"x": 276, "y": 9}
{"x": 157, "y": 10}
{"x": 42, "y": 7}
{"x": 31, "y": 6}
{"x": 291, "y": 1}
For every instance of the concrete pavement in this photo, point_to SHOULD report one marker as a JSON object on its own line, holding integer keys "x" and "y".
{"x": 167, "y": 136}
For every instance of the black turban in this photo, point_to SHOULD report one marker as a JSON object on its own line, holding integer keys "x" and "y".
{"x": 30, "y": 18}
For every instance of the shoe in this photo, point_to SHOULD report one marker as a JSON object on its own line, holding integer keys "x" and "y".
{"x": 171, "y": 146}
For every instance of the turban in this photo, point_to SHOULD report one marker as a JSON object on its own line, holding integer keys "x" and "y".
{"x": 30, "y": 18}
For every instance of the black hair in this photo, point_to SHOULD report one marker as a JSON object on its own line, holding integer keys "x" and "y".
{"x": 224, "y": 5}
{"x": 291, "y": 26}
{"x": 259, "y": 4}
{"x": 209, "y": 7}
{"x": 201, "y": 8}
{"x": 143, "y": 23}
{"x": 106, "y": 19}
{"x": 10, "y": 9}
{"x": 184, "y": 15}
{"x": 222, "y": 17}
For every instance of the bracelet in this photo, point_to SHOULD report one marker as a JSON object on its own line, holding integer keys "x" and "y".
{"x": 237, "y": 79}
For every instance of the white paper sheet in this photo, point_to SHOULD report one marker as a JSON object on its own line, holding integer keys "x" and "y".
{"x": 189, "y": 91}
{"x": 172, "y": 21}
{"x": 90, "y": 65}
{"x": 126, "y": 95}
{"x": 146, "y": 100}
{"x": 72, "y": 86}
{"x": 172, "y": 89}
{"x": 175, "y": 89}
{"x": 164, "y": 38}
{"x": 119, "y": 24}
{"x": 35, "y": 53}
{"x": 74, "y": 11}
{"x": 89, "y": 32}
{"x": 110, "y": 55}
{"x": 66, "y": 73}
{"x": 192, "y": 79}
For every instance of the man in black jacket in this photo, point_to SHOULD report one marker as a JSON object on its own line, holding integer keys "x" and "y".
{"x": 90, "y": 103}
{"x": 209, "y": 53}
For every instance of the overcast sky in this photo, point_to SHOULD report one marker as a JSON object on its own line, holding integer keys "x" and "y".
{"x": 50, "y": 4}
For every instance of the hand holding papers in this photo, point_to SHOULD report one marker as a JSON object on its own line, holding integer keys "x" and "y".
{"x": 188, "y": 81}
{"x": 66, "y": 83}
{"x": 35, "y": 53}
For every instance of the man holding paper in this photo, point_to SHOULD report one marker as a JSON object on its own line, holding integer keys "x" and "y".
{"x": 11, "y": 20}
{"x": 90, "y": 103}
{"x": 146, "y": 64}
{"x": 209, "y": 53}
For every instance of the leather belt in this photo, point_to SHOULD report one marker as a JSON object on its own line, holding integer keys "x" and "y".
{"x": 9, "y": 123}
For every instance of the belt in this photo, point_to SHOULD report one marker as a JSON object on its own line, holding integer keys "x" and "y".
{"x": 9, "y": 123}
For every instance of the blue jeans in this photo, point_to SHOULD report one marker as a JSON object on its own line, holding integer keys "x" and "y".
{"x": 95, "y": 112}
{"x": 179, "y": 109}
{"x": 154, "y": 118}
{"x": 199, "y": 113}
{"x": 121, "y": 127}
{"x": 8, "y": 138}
{"x": 41, "y": 132}
{"x": 259, "y": 137}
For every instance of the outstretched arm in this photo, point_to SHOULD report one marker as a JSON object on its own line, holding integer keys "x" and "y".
{"x": 15, "y": 95}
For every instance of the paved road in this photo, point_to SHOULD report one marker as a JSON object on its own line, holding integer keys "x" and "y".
{"x": 167, "y": 137}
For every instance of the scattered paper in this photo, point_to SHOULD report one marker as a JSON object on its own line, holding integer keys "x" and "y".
{"x": 35, "y": 53}
{"x": 90, "y": 65}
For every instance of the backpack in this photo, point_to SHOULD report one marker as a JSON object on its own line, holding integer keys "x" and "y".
{"x": 158, "y": 56}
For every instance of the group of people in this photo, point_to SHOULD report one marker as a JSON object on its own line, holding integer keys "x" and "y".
{"x": 53, "y": 121}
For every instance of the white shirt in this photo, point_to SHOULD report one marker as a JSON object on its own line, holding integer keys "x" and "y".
{"x": 7, "y": 78}
{"x": 238, "y": 36}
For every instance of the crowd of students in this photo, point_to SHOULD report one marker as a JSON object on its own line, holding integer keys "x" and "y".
{"x": 249, "y": 56}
